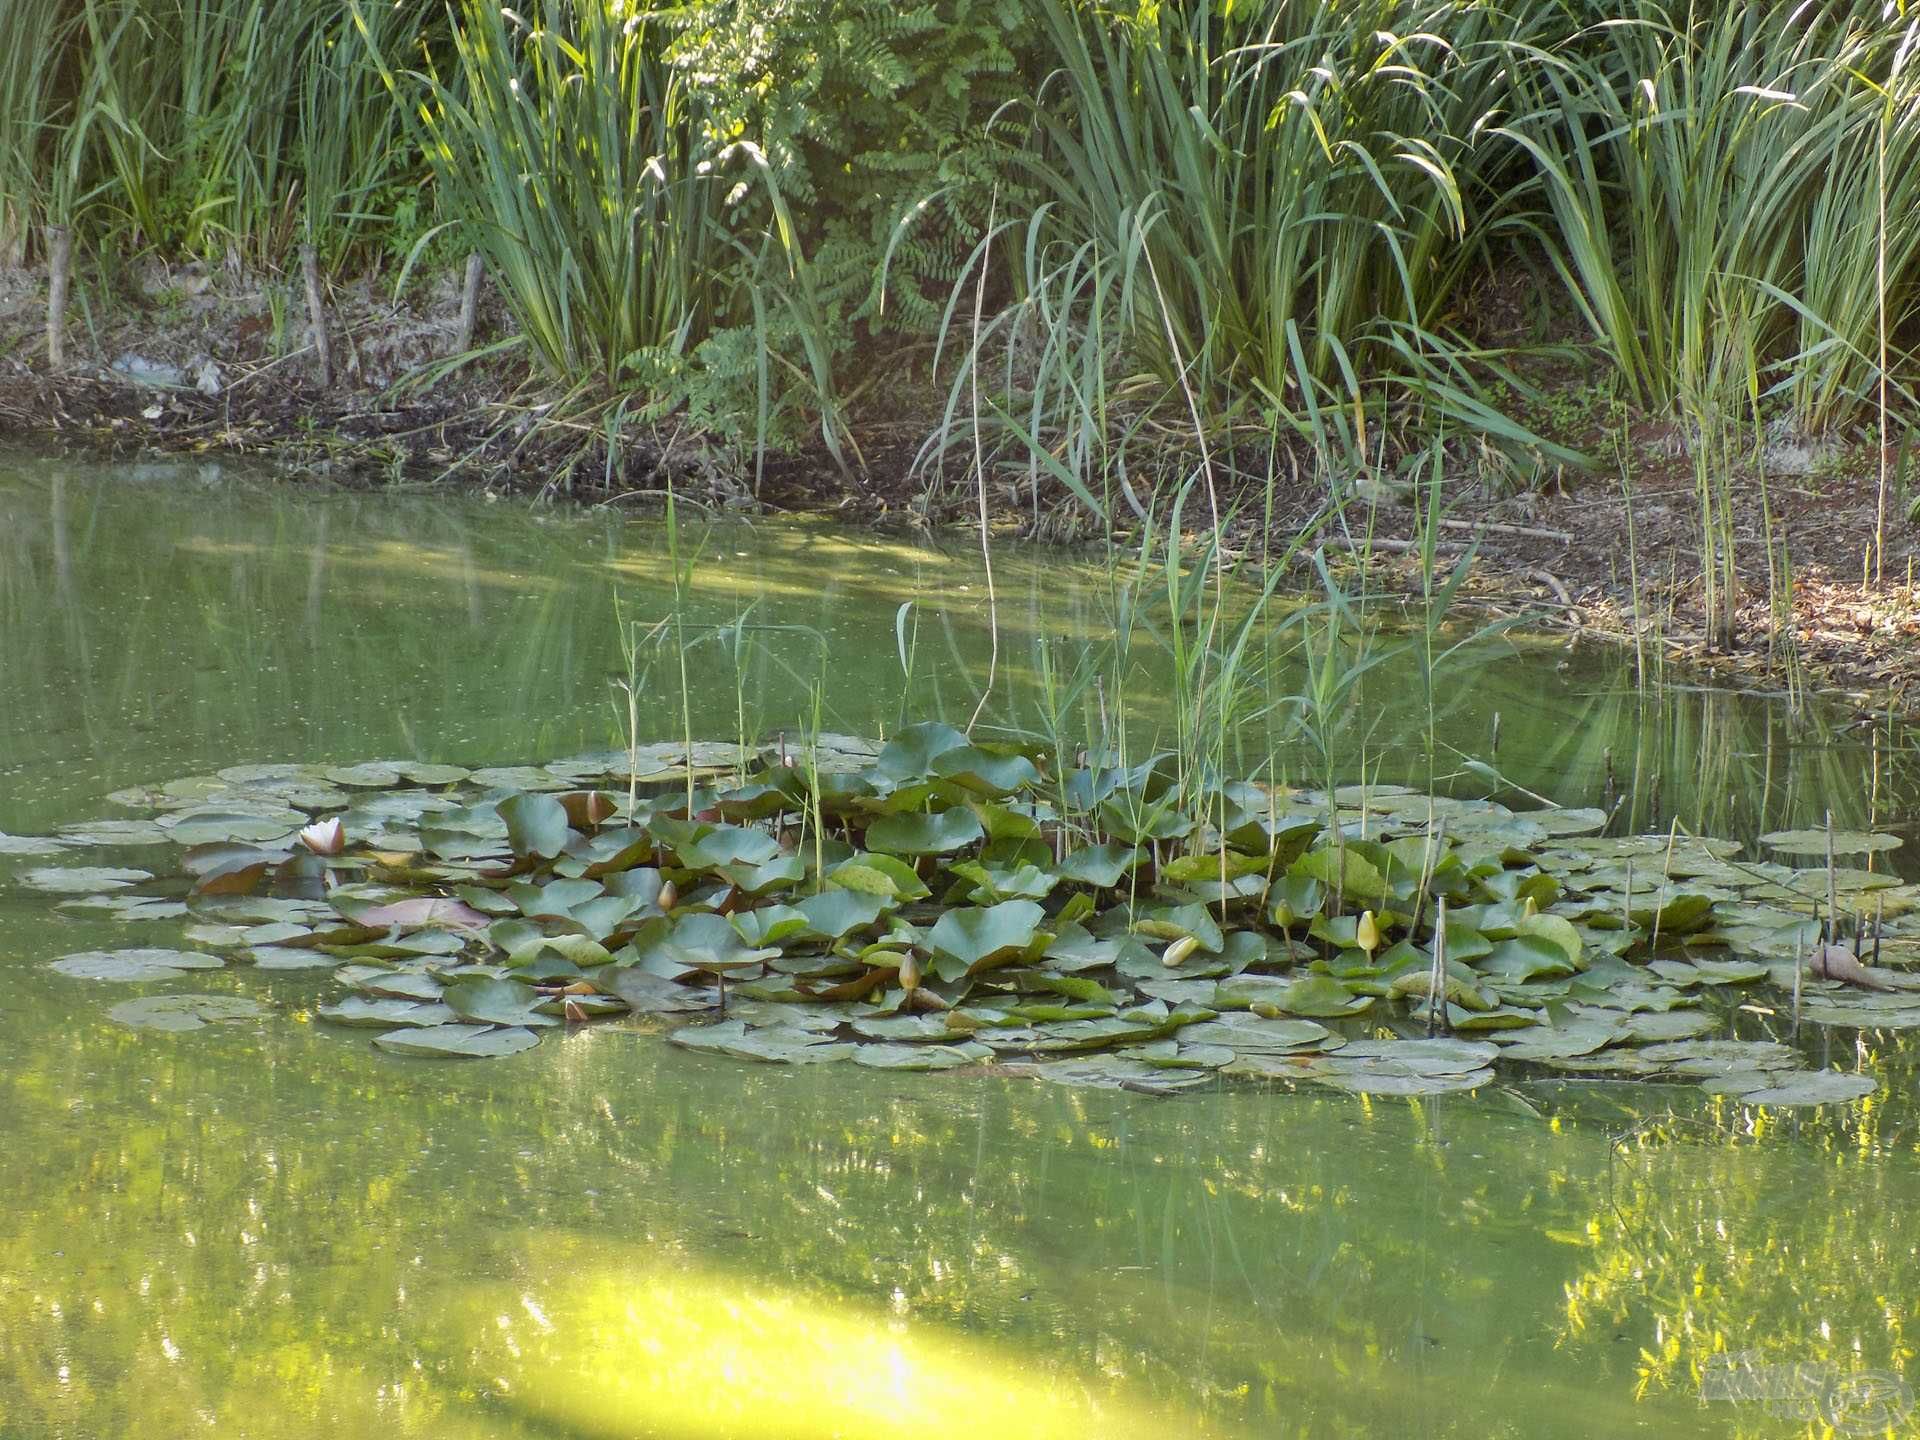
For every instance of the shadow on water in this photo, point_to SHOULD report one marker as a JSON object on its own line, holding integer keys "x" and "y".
{"x": 277, "y": 1231}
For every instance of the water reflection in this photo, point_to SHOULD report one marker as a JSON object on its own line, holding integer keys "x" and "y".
{"x": 275, "y": 1231}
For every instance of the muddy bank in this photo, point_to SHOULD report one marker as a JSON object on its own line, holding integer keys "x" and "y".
{"x": 210, "y": 361}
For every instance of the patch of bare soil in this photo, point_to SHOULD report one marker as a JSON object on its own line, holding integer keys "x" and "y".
{"x": 1625, "y": 566}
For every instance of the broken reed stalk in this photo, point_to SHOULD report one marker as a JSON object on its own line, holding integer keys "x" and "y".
{"x": 59, "y": 274}
{"x": 469, "y": 303}
{"x": 1429, "y": 863}
{"x": 1437, "y": 979}
{"x": 1666, "y": 879}
{"x": 317, "y": 314}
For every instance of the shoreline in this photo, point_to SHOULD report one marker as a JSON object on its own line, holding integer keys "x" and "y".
{"x": 203, "y": 375}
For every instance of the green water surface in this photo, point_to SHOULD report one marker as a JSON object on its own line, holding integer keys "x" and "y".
{"x": 274, "y": 1230}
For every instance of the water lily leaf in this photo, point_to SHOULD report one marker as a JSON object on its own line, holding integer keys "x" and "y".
{"x": 1319, "y": 995}
{"x": 924, "y": 834}
{"x": 1568, "y": 822}
{"x": 463, "y": 1042}
{"x": 1341, "y": 869}
{"x": 835, "y": 914}
{"x": 649, "y": 994}
{"x": 1675, "y": 914}
{"x": 134, "y": 964}
{"x": 968, "y": 939}
{"x": 1102, "y": 866}
{"x": 1112, "y": 1072}
{"x": 1500, "y": 1017}
{"x": 920, "y": 1057}
{"x": 994, "y": 883}
{"x": 83, "y": 879}
{"x": 536, "y": 825}
{"x": 1645, "y": 1028}
{"x": 400, "y": 985}
{"x": 1179, "y": 922}
{"x": 983, "y": 772}
{"x": 382, "y": 1013}
{"x": 1560, "y": 1041}
{"x": 228, "y": 826}
{"x": 419, "y": 913}
{"x": 1386, "y": 1079}
{"x": 1708, "y": 971}
{"x": 904, "y": 1028}
{"x": 1708, "y": 1058}
{"x": 699, "y": 942}
{"x": 911, "y": 753}
{"x": 1812, "y": 1087}
{"x": 184, "y": 1012}
{"x": 1246, "y": 1034}
{"x": 1525, "y": 957}
{"x": 127, "y": 908}
{"x": 373, "y": 775}
{"x": 880, "y": 875}
{"x": 494, "y": 1002}
{"x": 464, "y": 834}
{"x": 286, "y": 957}
{"x": 115, "y": 834}
{"x": 1814, "y": 842}
{"x": 30, "y": 844}
{"x": 769, "y": 926}
{"x": 788, "y": 1046}
{"x": 1557, "y": 930}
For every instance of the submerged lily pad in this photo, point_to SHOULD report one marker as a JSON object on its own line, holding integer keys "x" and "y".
{"x": 1813, "y": 1087}
{"x": 135, "y": 964}
{"x": 31, "y": 844}
{"x": 184, "y": 1012}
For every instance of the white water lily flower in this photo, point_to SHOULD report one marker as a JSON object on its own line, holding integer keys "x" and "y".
{"x": 325, "y": 837}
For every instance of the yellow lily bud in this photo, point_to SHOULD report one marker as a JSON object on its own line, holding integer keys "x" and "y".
{"x": 1367, "y": 932}
{"x": 1176, "y": 954}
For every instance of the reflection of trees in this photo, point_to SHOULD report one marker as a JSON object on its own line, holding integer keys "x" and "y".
{"x": 1780, "y": 1234}
{"x": 307, "y": 1226}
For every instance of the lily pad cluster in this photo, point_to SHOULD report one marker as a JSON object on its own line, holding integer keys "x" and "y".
{"x": 937, "y": 903}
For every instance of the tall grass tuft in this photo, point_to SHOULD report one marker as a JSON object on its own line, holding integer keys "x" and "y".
{"x": 1710, "y": 176}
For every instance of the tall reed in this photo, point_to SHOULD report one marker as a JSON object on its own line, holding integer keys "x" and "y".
{"x": 1270, "y": 205}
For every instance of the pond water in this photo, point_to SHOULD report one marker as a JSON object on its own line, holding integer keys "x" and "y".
{"x": 275, "y": 1230}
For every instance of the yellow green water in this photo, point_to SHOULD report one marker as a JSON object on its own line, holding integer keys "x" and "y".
{"x": 277, "y": 1231}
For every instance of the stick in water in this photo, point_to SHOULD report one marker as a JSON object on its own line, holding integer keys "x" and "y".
{"x": 317, "y": 314}
{"x": 469, "y": 303}
{"x": 59, "y": 270}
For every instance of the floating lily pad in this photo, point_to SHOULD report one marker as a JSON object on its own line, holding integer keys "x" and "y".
{"x": 383, "y": 1013}
{"x": 134, "y": 964}
{"x": 108, "y": 834}
{"x": 1814, "y": 842}
{"x": 84, "y": 879}
{"x": 920, "y": 1057}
